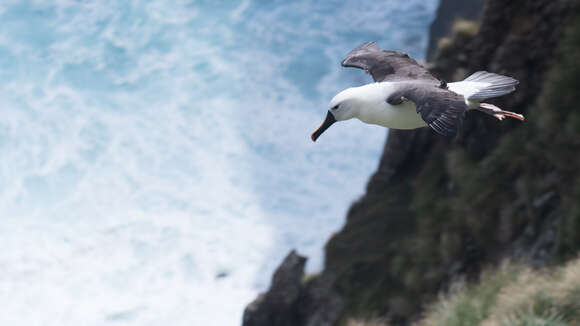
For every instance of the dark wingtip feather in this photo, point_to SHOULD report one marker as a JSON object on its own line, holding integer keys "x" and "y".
{"x": 367, "y": 47}
{"x": 445, "y": 129}
{"x": 364, "y": 48}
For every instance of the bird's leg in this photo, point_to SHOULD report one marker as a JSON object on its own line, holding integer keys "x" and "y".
{"x": 497, "y": 112}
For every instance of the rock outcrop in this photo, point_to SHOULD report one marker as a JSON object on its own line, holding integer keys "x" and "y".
{"x": 448, "y": 13}
{"x": 436, "y": 210}
{"x": 276, "y": 307}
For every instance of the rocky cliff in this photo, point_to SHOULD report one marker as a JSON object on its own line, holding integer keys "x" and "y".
{"x": 448, "y": 13}
{"x": 437, "y": 210}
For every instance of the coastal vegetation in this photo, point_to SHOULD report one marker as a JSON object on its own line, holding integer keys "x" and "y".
{"x": 511, "y": 295}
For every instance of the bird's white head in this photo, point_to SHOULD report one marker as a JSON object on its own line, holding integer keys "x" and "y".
{"x": 342, "y": 107}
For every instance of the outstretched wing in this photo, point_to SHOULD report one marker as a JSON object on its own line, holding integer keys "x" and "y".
{"x": 386, "y": 65}
{"x": 442, "y": 109}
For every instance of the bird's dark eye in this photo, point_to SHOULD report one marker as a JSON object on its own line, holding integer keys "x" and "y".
{"x": 335, "y": 107}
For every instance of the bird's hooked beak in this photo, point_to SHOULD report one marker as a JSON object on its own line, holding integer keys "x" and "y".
{"x": 328, "y": 121}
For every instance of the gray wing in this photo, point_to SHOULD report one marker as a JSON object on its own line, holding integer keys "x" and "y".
{"x": 442, "y": 109}
{"x": 387, "y": 65}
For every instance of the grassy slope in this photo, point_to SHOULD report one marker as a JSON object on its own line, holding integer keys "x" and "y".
{"x": 512, "y": 295}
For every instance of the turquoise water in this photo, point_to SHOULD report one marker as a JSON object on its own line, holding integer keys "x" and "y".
{"x": 156, "y": 160}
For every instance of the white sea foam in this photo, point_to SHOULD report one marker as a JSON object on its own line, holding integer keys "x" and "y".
{"x": 156, "y": 161}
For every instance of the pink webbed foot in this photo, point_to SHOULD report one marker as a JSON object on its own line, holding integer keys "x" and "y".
{"x": 499, "y": 113}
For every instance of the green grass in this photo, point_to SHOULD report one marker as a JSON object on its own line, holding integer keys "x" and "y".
{"x": 512, "y": 296}
{"x": 470, "y": 305}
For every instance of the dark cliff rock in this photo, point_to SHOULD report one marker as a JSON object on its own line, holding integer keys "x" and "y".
{"x": 448, "y": 12}
{"x": 276, "y": 307}
{"x": 437, "y": 210}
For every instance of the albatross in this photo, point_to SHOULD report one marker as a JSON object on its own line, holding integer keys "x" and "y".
{"x": 405, "y": 95}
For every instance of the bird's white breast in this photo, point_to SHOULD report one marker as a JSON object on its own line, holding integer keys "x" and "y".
{"x": 374, "y": 109}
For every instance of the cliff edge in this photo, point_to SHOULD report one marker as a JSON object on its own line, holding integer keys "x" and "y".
{"x": 438, "y": 210}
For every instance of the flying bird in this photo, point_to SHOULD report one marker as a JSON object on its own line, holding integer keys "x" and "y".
{"x": 407, "y": 96}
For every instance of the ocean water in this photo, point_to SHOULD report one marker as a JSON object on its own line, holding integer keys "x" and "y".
{"x": 155, "y": 159}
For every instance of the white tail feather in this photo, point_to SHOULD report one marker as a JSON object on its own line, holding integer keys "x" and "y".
{"x": 483, "y": 85}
